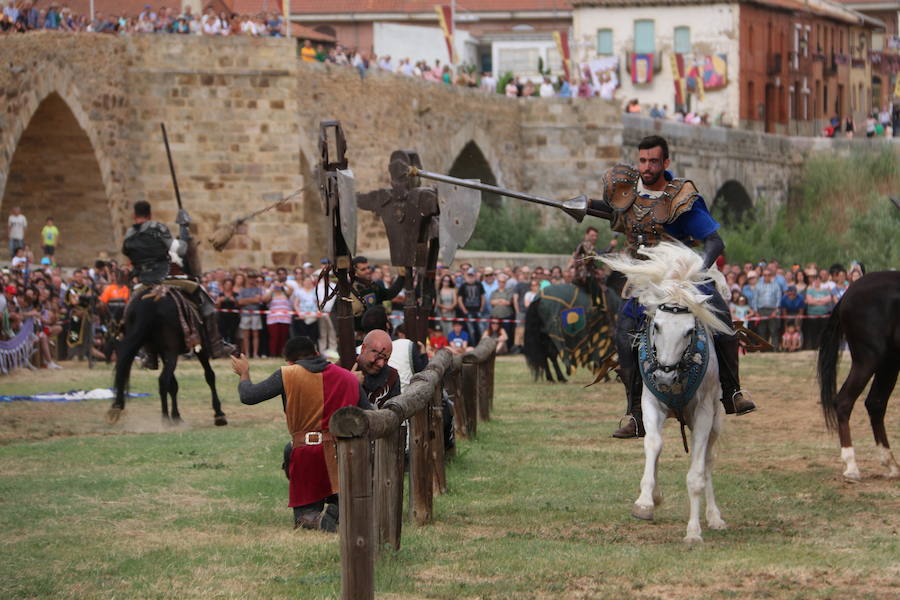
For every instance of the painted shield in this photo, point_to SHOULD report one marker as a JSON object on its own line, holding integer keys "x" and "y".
{"x": 459, "y": 208}
{"x": 347, "y": 207}
{"x": 572, "y": 320}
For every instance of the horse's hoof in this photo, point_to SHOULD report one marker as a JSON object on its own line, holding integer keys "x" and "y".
{"x": 717, "y": 524}
{"x": 852, "y": 477}
{"x": 693, "y": 539}
{"x": 113, "y": 414}
{"x": 645, "y": 513}
{"x": 221, "y": 420}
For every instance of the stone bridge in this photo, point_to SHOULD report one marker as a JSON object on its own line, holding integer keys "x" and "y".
{"x": 80, "y": 140}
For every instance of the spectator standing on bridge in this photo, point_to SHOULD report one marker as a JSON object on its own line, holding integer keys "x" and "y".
{"x": 311, "y": 390}
{"x": 17, "y": 224}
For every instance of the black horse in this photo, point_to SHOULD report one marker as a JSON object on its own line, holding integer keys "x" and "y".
{"x": 868, "y": 316}
{"x": 564, "y": 322}
{"x": 153, "y": 322}
{"x": 537, "y": 347}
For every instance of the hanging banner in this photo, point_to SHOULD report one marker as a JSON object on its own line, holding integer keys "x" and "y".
{"x": 562, "y": 46}
{"x": 445, "y": 20}
{"x": 708, "y": 73}
{"x": 678, "y": 78}
{"x": 641, "y": 68}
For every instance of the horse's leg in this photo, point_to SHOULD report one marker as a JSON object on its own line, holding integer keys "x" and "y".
{"x": 654, "y": 419}
{"x": 856, "y": 381}
{"x": 559, "y": 375}
{"x": 701, "y": 427}
{"x": 210, "y": 376}
{"x": 167, "y": 385}
{"x": 547, "y": 373}
{"x": 713, "y": 515}
{"x": 876, "y": 404}
{"x": 127, "y": 350}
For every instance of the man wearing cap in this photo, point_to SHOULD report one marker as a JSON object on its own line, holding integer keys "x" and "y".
{"x": 150, "y": 247}
{"x": 367, "y": 293}
{"x": 311, "y": 390}
{"x": 649, "y": 205}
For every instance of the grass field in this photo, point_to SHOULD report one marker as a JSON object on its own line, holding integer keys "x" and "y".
{"x": 538, "y": 505}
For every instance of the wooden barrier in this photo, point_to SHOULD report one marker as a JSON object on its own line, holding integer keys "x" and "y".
{"x": 371, "y": 499}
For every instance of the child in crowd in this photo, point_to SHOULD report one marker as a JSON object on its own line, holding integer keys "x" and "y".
{"x": 790, "y": 339}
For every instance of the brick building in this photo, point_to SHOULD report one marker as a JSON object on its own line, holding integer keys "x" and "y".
{"x": 494, "y": 35}
{"x": 772, "y": 65}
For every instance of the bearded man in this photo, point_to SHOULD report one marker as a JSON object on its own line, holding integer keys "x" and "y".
{"x": 648, "y": 205}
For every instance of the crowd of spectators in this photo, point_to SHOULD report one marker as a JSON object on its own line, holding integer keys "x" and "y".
{"x": 261, "y": 308}
{"x": 786, "y": 306}
{"x": 24, "y": 16}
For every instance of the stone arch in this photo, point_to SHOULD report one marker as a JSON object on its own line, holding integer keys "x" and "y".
{"x": 471, "y": 163}
{"x": 732, "y": 203}
{"x": 472, "y": 135}
{"x": 32, "y": 89}
{"x": 54, "y": 169}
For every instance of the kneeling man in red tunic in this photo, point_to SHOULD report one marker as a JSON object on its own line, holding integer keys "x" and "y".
{"x": 311, "y": 390}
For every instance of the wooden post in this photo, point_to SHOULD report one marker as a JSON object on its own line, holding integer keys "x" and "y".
{"x": 356, "y": 519}
{"x": 439, "y": 475}
{"x": 470, "y": 397}
{"x": 387, "y": 488}
{"x": 484, "y": 411}
{"x": 492, "y": 362}
{"x": 420, "y": 466}
{"x": 453, "y": 385}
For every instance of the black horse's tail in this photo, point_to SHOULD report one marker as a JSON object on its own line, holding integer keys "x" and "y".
{"x": 535, "y": 346}
{"x": 829, "y": 356}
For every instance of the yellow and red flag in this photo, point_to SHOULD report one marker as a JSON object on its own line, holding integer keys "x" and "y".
{"x": 562, "y": 46}
{"x": 445, "y": 19}
{"x": 678, "y": 78}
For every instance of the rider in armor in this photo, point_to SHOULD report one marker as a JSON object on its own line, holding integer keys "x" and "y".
{"x": 150, "y": 247}
{"x": 648, "y": 205}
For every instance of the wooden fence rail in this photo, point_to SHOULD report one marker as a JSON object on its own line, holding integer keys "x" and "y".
{"x": 371, "y": 487}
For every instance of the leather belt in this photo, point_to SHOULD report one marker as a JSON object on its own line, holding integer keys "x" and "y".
{"x": 310, "y": 438}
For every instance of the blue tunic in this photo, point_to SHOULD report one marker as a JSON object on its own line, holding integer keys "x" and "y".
{"x": 695, "y": 224}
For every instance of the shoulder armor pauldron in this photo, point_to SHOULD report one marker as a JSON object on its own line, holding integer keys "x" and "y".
{"x": 682, "y": 193}
{"x": 620, "y": 186}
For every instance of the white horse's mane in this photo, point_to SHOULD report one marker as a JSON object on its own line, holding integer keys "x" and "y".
{"x": 671, "y": 275}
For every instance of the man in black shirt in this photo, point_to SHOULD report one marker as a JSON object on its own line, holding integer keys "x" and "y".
{"x": 471, "y": 304}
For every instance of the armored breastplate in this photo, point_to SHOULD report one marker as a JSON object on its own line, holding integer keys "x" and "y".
{"x": 640, "y": 218}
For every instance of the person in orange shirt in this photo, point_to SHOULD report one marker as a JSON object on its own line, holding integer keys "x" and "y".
{"x": 307, "y": 52}
{"x": 115, "y": 296}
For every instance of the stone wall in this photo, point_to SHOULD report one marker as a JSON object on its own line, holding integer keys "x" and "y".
{"x": 80, "y": 138}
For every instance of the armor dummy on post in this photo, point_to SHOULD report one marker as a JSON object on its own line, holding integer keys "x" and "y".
{"x": 648, "y": 206}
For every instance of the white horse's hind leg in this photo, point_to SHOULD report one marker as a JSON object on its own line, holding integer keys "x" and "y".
{"x": 851, "y": 472}
{"x": 653, "y": 424}
{"x": 713, "y": 516}
{"x": 697, "y": 474}
{"x": 888, "y": 460}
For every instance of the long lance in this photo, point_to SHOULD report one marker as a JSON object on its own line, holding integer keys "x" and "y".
{"x": 576, "y": 207}
{"x": 171, "y": 165}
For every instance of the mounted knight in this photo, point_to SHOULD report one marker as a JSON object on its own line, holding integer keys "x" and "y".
{"x": 158, "y": 259}
{"x": 648, "y": 205}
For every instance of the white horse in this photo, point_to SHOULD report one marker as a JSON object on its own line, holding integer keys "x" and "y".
{"x": 679, "y": 368}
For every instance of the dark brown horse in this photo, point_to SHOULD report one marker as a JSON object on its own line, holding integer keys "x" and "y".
{"x": 868, "y": 316}
{"x": 153, "y": 323}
